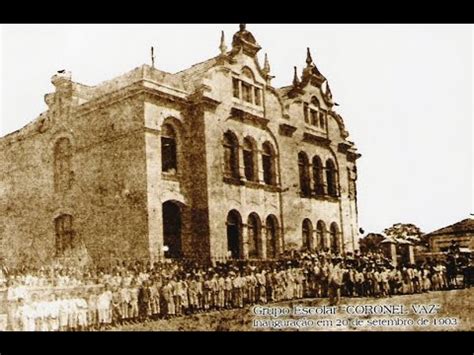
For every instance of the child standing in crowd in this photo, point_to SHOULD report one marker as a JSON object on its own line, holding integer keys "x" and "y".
{"x": 261, "y": 287}
{"x": 155, "y": 296}
{"x": 92, "y": 309}
{"x": 104, "y": 307}
{"x": 168, "y": 301}
{"x": 134, "y": 311}
{"x": 221, "y": 291}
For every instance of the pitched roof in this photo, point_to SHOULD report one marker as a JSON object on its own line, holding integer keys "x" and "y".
{"x": 194, "y": 75}
{"x": 464, "y": 226}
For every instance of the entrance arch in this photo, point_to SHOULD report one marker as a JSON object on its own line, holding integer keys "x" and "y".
{"x": 254, "y": 236}
{"x": 234, "y": 234}
{"x": 273, "y": 248}
{"x": 172, "y": 213}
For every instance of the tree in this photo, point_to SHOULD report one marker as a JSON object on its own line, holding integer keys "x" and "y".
{"x": 406, "y": 231}
{"x": 371, "y": 242}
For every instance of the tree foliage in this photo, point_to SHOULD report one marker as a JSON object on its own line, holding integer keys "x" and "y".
{"x": 371, "y": 242}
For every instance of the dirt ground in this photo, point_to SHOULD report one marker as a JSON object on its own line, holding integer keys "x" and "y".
{"x": 455, "y": 313}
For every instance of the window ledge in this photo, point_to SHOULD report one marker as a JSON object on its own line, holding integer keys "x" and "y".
{"x": 315, "y": 129}
{"x": 321, "y": 197}
{"x": 249, "y": 116}
{"x": 251, "y": 184}
{"x": 247, "y": 106}
{"x": 327, "y": 198}
{"x": 170, "y": 176}
{"x": 233, "y": 181}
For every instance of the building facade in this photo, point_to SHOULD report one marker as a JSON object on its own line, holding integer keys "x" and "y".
{"x": 212, "y": 162}
{"x": 461, "y": 233}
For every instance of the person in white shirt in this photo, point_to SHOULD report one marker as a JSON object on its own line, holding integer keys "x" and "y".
{"x": 53, "y": 313}
{"x": 63, "y": 312}
{"x": 82, "y": 308}
{"x": 104, "y": 306}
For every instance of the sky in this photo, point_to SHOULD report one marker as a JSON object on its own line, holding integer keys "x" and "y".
{"x": 405, "y": 93}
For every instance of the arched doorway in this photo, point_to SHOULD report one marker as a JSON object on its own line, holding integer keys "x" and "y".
{"x": 321, "y": 235}
{"x": 335, "y": 244}
{"x": 271, "y": 225}
{"x": 254, "y": 231}
{"x": 234, "y": 235}
{"x": 307, "y": 234}
{"x": 172, "y": 229}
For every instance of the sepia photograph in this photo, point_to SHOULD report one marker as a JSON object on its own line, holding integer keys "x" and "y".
{"x": 236, "y": 177}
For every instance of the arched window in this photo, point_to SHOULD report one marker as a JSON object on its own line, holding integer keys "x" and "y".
{"x": 234, "y": 234}
{"x": 303, "y": 165}
{"x": 254, "y": 235}
{"x": 250, "y": 160}
{"x": 64, "y": 233}
{"x": 247, "y": 73}
{"x": 331, "y": 178}
{"x": 307, "y": 234}
{"x": 321, "y": 235}
{"x": 272, "y": 240}
{"x": 231, "y": 155}
{"x": 62, "y": 165}
{"x": 318, "y": 176}
{"x": 268, "y": 162}
{"x": 169, "y": 159}
{"x": 334, "y": 231}
{"x": 315, "y": 111}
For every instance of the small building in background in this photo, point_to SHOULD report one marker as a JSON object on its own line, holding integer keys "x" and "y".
{"x": 461, "y": 233}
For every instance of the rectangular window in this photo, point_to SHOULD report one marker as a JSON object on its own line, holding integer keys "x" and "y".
{"x": 249, "y": 168}
{"x": 314, "y": 118}
{"x": 64, "y": 233}
{"x": 322, "y": 120}
{"x": 247, "y": 92}
{"x": 235, "y": 85}
{"x": 306, "y": 113}
{"x": 168, "y": 154}
{"x": 258, "y": 97}
{"x": 267, "y": 170}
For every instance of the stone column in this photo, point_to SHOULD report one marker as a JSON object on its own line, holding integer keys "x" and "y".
{"x": 263, "y": 241}
{"x": 411, "y": 253}
{"x": 245, "y": 241}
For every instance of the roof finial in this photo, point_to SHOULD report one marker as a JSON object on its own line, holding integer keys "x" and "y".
{"x": 222, "y": 46}
{"x": 243, "y": 26}
{"x": 309, "y": 59}
{"x": 296, "y": 80}
{"x": 266, "y": 65}
{"x": 152, "y": 57}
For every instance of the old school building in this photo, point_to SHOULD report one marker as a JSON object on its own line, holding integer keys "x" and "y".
{"x": 212, "y": 162}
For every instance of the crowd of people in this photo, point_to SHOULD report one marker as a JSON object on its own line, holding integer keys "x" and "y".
{"x": 75, "y": 299}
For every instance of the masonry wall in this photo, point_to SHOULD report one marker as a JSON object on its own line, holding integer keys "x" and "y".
{"x": 107, "y": 198}
{"x": 26, "y": 227}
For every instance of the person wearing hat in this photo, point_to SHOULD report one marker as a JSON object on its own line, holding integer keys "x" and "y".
{"x": 228, "y": 288}
{"x": 237, "y": 284}
{"x": 335, "y": 282}
{"x": 155, "y": 296}
{"x": 261, "y": 295}
{"x": 221, "y": 287}
{"x": 193, "y": 294}
{"x": 168, "y": 308}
